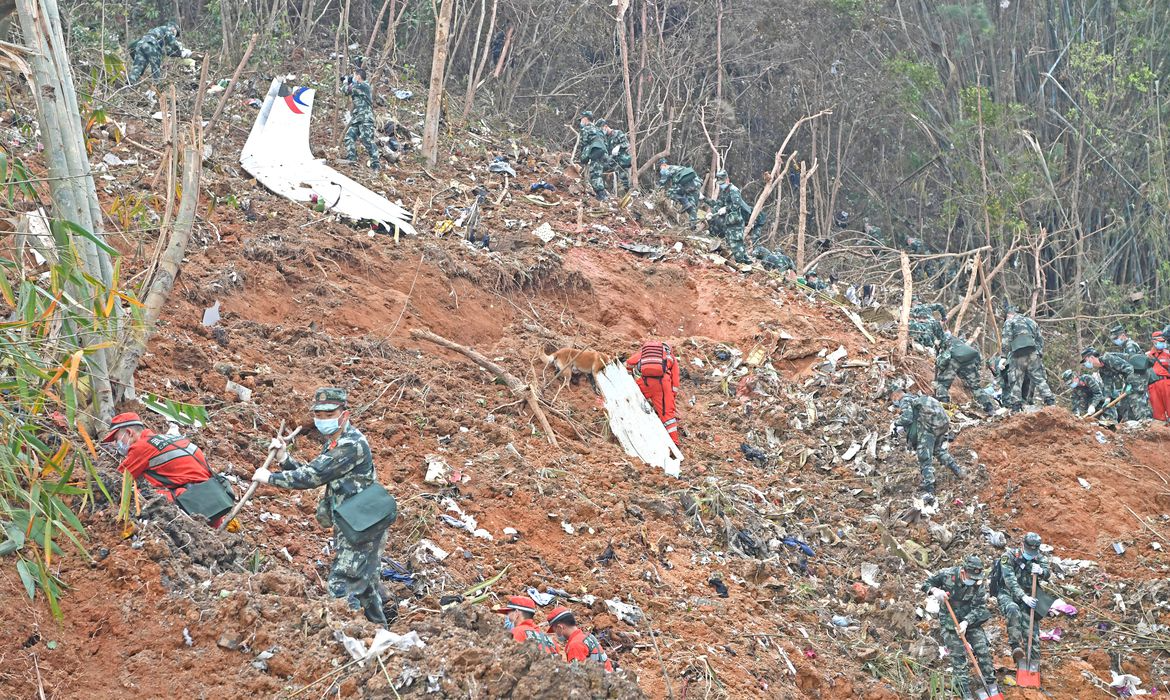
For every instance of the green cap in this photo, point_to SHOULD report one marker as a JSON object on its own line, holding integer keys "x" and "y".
{"x": 722, "y": 174}
{"x": 587, "y": 114}
{"x": 1116, "y": 330}
{"x": 1032, "y": 542}
{"x": 973, "y": 567}
{"x": 1066, "y": 375}
{"x": 330, "y": 398}
{"x": 601, "y": 122}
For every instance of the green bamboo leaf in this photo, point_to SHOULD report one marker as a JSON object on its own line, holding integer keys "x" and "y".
{"x": 3, "y": 166}
{"x": 27, "y": 578}
{"x": 70, "y": 227}
{"x": 176, "y": 411}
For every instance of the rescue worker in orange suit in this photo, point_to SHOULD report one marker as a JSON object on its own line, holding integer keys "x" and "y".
{"x": 1160, "y": 378}
{"x": 518, "y": 613}
{"x": 655, "y": 369}
{"x": 578, "y": 645}
{"x": 169, "y": 463}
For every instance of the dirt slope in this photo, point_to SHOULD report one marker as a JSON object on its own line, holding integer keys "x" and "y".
{"x": 308, "y": 302}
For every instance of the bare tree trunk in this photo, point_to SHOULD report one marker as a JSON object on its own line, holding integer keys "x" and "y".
{"x": 133, "y": 348}
{"x": 70, "y": 179}
{"x": 718, "y": 95}
{"x": 779, "y": 168}
{"x": 377, "y": 25}
{"x": 231, "y": 85}
{"x": 504, "y": 52}
{"x": 469, "y": 93}
{"x": 624, "y": 48}
{"x": 518, "y": 387}
{"x": 802, "y": 222}
{"x": 904, "y": 316}
{"x": 430, "y": 147}
{"x": 1039, "y": 271}
{"x": 975, "y": 265}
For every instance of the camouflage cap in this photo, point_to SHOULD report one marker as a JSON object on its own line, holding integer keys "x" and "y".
{"x": 330, "y": 398}
{"x": 721, "y": 175}
{"x": 662, "y": 160}
{"x": 1116, "y": 330}
{"x": 1032, "y": 542}
{"x": 1089, "y": 351}
{"x": 1066, "y": 375}
{"x": 973, "y": 566}
{"x": 586, "y": 114}
{"x": 601, "y": 122}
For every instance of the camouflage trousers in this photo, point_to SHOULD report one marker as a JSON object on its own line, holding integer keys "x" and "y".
{"x": 602, "y": 164}
{"x": 929, "y": 448}
{"x": 688, "y": 198}
{"x": 922, "y": 332}
{"x": 1017, "y": 619}
{"x": 1136, "y": 406}
{"x": 1030, "y": 367}
{"x": 361, "y": 131}
{"x": 733, "y": 234}
{"x": 969, "y": 373}
{"x": 140, "y": 58}
{"x": 960, "y": 664}
{"x": 357, "y": 575}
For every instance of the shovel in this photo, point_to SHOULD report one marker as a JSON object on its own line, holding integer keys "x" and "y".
{"x": 986, "y": 693}
{"x": 1028, "y": 670}
{"x": 1106, "y": 407}
{"x": 252, "y": 487}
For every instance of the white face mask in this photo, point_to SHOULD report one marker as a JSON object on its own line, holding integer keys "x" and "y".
{"x": 327, "y": 426}
{"x": 122, "y": 448}
{"x": 1088, "y": 365}
{"x": 1119, "y": 342}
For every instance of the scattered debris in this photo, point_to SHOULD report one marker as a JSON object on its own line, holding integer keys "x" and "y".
{"x": 544, "y": 232}
{"x": 630, "y": 614}
{"x": 211, "y": 315}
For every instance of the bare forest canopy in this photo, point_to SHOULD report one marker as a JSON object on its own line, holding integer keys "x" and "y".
{"x": 1036, "y": 128}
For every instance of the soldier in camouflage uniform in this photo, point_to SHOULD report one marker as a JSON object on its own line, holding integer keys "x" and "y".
{"x": 361, "y": 120}
{"x": 962, "y": 360}
{"x": 774, "y": 261}
{"x": 345, "y": 467}
{"x": 925, "y": 329}
{"x": 150, "y": 49}
{"x": 595, "y": 154}
{"x": 682, "y": 186}
{"x": 961, "y": 587}
{"x": 1088, "y": 393}
{"x": 1116, "y": 375}
{"x": 927, "y": 427}
{"x": 619, "y": 152}
{"x": 813, "y": 281}
{"x": 1137, "y": 403}
{"x": 731, "y": 213}
{"x": 1016, "y": 569}
{"x": 1024, "y": 348}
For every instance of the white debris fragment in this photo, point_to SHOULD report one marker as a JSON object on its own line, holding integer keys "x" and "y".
{"x": 544, "y": 232}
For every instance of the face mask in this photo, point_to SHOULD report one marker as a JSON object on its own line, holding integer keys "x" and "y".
{"x": 1160, "y": 346}
{"x": 1028, "y": 555}
{"x": 967, "y": 581}
{"x": 327, "y": 426}
{"x": 723, "y": 185}
{"x": 1072, "y": 384}
{"x": 562, "y": 637}
{"x": 122, "y": 448}
{"x": 1088, "y": 365}
{"x": 1118, "y": 342}
{"x": 508, "y": 624}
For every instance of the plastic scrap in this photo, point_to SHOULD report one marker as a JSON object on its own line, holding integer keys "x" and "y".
{"x": 499, "y": 165}
{"x": 403, "y": 94}
{"x": 211, "y": 315}
{"x": 541, "y": 599}
{"x": 1118, "y": 548}
{"x": 544, "y": 232}
{"x": 1063, "y": 608}
{"x": 1052, "y": 635}
{"x": 1126, "y": 685}
{"x": 630, "y": 614}
{"x": 802, "y": 546}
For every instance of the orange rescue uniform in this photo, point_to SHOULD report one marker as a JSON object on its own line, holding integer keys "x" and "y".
{"x": 1160, "y": 387}
{"x": 661, "y": 392}
{"x": 169, "y": 462}
{"x": 585, "y": 647}
{"x": 527, "y": 630}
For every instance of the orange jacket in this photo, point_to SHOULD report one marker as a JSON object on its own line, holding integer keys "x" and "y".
{"x": 585, "y": 647}
{"x": 527, "y": 630}
{"x": 1161, "y": 360}
{"x": 169, "y": 462}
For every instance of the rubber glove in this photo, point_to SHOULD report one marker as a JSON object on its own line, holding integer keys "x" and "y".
{"x": 262, "y": 476}
{"x": 1029, "y": 601}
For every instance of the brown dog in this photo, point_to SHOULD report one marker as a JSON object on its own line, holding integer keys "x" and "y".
{"x": 571, "y": 363}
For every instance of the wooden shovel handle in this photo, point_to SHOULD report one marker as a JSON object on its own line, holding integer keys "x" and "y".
{"x": 252, "y": 487}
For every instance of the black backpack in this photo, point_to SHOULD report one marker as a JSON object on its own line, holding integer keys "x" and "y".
{"x": 995, "y": 581}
